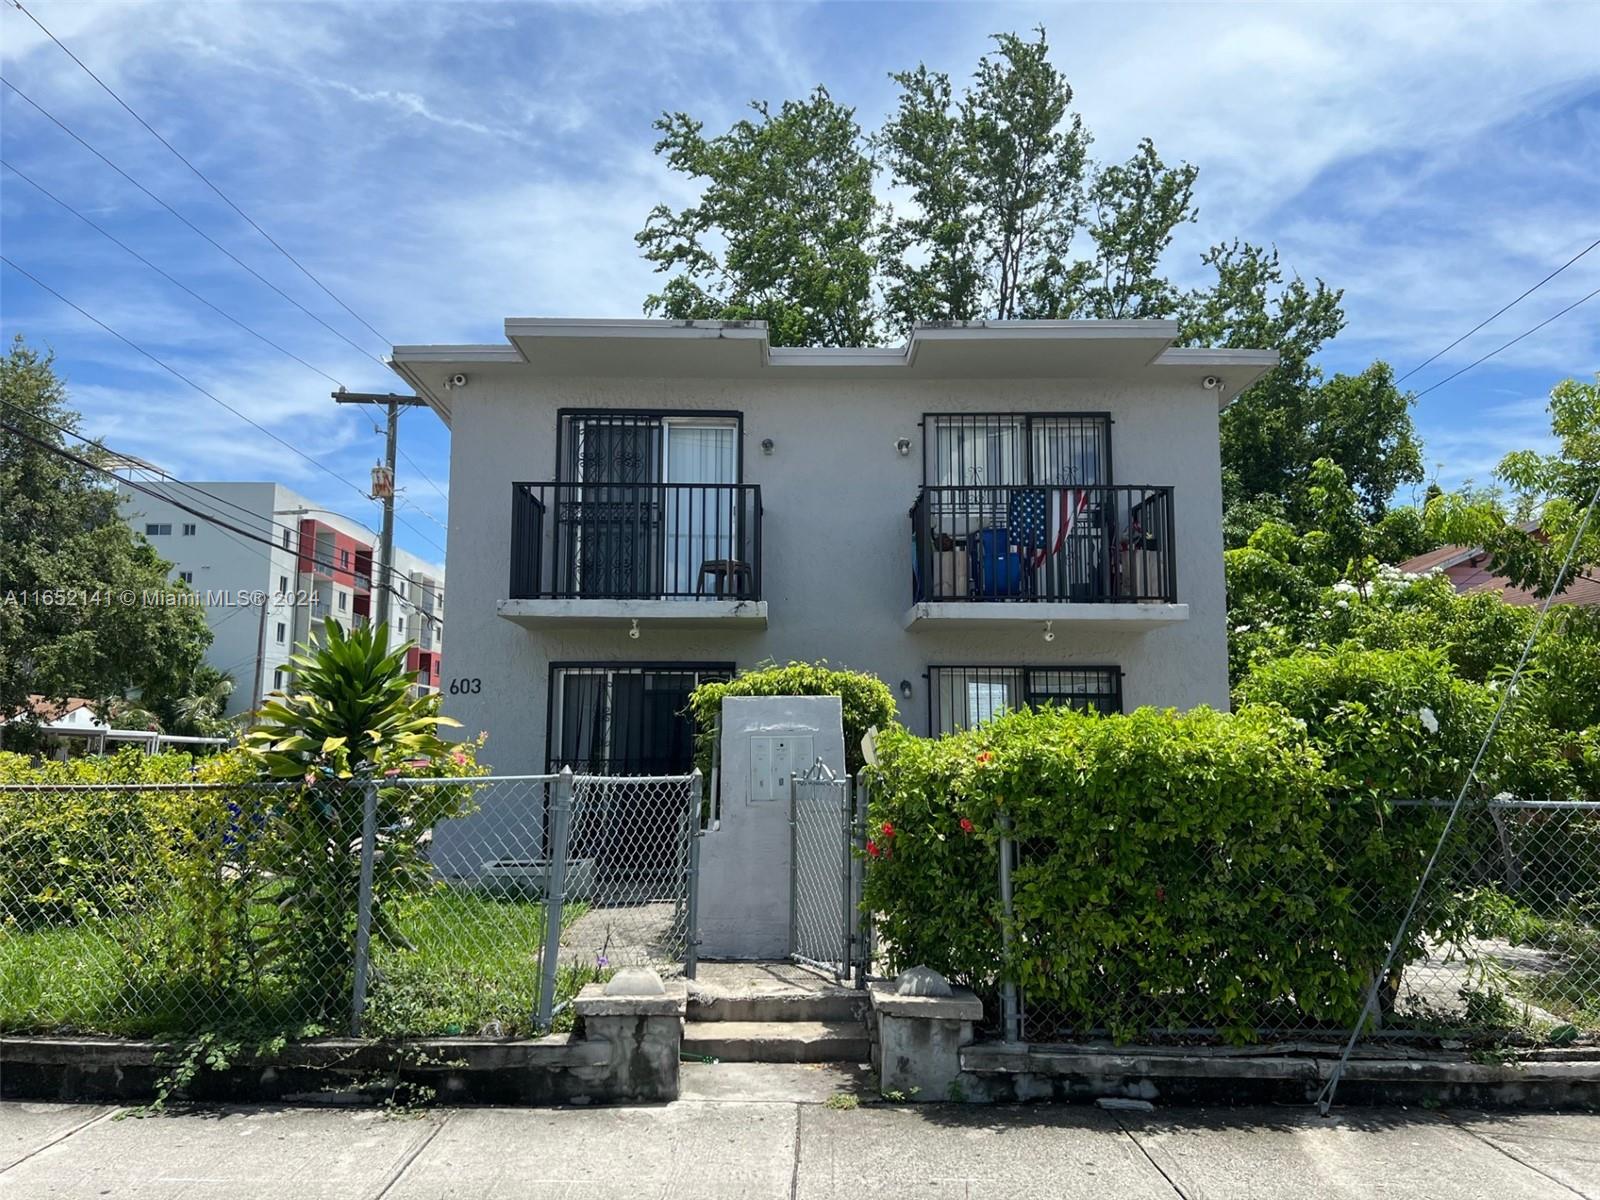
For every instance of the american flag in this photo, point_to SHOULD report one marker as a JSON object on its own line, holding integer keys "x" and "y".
{"x": 1041, "y": 518}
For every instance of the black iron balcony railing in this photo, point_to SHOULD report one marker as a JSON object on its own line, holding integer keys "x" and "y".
{"x": 635, "y": 541}
{"x": 1090, "y": 544}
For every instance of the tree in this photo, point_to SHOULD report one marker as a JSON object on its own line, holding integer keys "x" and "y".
{"x": 1004, "y": 216}
{"x": 786, "y": 228}
{"x": 1559, "y": 487}
{"x": 84, "y": 605}
{"x": 196, "y": 708}
{"x": 1275, "y": 431}
{"x": 1137, "y": 206}
{"x": 1002, "y": 192}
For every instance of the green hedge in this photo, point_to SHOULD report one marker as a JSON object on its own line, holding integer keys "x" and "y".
{"x": 81, "y": 854}
{"x": 1180, "y": 869}
{"x": 865, "y": 699}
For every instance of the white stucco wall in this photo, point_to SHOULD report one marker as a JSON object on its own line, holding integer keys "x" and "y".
{"x": 837, "y": 567}
{"x": 745, "y": 896}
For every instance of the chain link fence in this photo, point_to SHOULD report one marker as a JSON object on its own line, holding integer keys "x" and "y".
{"x": 1504, "y": 943}
{"x": 401, "y": 907}
{"x": 823, "y": 868}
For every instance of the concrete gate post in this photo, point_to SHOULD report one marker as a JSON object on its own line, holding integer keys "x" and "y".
{"x": 919, "y": 1025}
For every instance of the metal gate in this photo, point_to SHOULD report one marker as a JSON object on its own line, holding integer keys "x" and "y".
{"x": 824, "y": 876}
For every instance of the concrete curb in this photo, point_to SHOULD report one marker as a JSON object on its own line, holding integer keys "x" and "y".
{"x": 326, "y": 1070}
{"x": 996, "y": 1072}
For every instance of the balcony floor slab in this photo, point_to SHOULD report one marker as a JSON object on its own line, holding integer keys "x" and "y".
{"x": 1000, "y": 614}
{"x": 698, "y": 613}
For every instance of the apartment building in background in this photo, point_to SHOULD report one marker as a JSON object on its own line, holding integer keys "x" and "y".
{"x": 319, "y": 564}
{"x": 990, "y": 515}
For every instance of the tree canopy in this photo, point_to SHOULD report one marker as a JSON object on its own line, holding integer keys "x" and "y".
{"x": 1559, "y": 486}
{"x": 999, "y": 212}
{"x": 77, "y": 614}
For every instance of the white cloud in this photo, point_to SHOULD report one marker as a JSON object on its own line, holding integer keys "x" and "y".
{"x": 471, "y": 162}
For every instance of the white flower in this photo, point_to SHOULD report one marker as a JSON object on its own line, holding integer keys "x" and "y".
{"x": 1344, "y": 585}
{"x": 1241, "y": 629}
{"x": 1429, "y": 721}
{"x": 1342, "y": 603}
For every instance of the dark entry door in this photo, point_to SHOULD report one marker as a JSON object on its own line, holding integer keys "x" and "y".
{"x": 612, "y": 516}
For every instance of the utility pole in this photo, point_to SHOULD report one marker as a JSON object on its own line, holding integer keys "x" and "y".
{"x": 261, "y": 660}
{"x": 381, "y": 573}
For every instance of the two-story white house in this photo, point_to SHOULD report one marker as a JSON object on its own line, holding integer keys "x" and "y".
{"x": 993, "y": 514}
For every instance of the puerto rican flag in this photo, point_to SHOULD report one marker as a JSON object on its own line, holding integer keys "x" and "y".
{"x": 1070, "y": 503}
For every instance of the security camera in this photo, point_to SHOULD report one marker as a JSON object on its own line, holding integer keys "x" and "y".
{"x": 1211, "y": 382}
{"x": 456, "y": 380}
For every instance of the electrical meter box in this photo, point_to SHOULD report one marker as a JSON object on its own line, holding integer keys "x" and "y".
{"x": 744, "y": 881}
{"x": 775, "y": 759}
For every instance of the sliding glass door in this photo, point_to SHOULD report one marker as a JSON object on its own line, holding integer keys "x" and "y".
{"x": 699, "y": 518}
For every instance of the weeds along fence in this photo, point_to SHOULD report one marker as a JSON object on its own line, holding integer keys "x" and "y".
{"x": 395, "y": 907}
{"x": 1504, "y": 945}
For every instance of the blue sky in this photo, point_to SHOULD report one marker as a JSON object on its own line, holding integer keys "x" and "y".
{"x": 441, "y": 166}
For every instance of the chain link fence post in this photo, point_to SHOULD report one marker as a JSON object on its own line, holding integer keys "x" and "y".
{"x": 555, "y": 895}
{"x": 691, "y": 920}
{"x": 862, "y": 933}
{"x": 369, "y": 837}
{"x": 1010, "y": 1012}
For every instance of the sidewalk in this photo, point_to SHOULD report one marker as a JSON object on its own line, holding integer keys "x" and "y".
{"x": 756, "y": 1132}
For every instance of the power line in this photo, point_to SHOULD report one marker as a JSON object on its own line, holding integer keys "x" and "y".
{"x": 201, "y": 174}
{"x": 420, "y": 511}
{"x": 443, "y": 495}
{"x": 210, "y": 396}
{"x": 229, "y": 253}
{"x": 1497, "y": 312}
{"x": 179, "y": 374}
{"x": 166, "y": 478}
{"x": 209, "y": 518}
{"x": 1508, "y": 345}
{"x": 39, "y": 187}
{"x": 1370, "y": 1007}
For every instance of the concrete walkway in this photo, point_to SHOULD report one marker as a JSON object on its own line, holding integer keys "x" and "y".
{"x": 764, "y": 1131}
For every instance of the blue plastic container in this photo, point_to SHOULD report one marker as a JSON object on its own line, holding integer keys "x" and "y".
{"x": 997, "y": 566}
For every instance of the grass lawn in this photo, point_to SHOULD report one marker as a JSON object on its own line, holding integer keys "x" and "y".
{"x": 449, "y": 962}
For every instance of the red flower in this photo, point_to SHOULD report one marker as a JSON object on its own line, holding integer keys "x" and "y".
{"x": 966, "y": 825}
{"x": 1161, "y": 894}
{"x": 888, "y": 829}
{"x": 985, "y": 756}
{"x": 872, "y": 848}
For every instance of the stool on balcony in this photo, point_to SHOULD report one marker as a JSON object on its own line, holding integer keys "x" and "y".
{"x": 730, "y": 577}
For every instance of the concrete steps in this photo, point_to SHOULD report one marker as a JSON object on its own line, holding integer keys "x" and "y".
{"x": 786, "y": 1041}
{"x": 837, "y": 1004}
{"x": 774, "y": 1012}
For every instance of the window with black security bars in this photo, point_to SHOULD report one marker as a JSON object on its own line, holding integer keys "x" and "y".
{"x": 965, "y": 697}
{"x": 1015, "y": 449}
{"x": 631, "y": 719}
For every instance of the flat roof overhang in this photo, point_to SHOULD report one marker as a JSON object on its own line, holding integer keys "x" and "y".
{"x": 573, "y": 347}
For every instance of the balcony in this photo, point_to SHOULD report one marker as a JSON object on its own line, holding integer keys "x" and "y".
{"x": 613, "y": 553}
{"x": 1092, "y": 555}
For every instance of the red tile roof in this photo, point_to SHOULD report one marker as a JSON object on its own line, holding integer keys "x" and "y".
{"x": 1468, "y": 568}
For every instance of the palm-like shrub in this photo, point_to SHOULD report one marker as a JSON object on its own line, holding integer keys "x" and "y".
{"x": 351, "y": 710}
{"x": 349, "y": 723}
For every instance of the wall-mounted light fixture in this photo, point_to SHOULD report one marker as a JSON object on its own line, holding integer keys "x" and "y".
{"x": 904, "y": 446}
{"x": 1049, "y": 631}
{"x": 633, "y": 629}
{"x": 766, "y": 445}
{"x": 905, "y": 688}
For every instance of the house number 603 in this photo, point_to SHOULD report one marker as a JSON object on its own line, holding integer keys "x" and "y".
{"x": 465, "y": 687}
